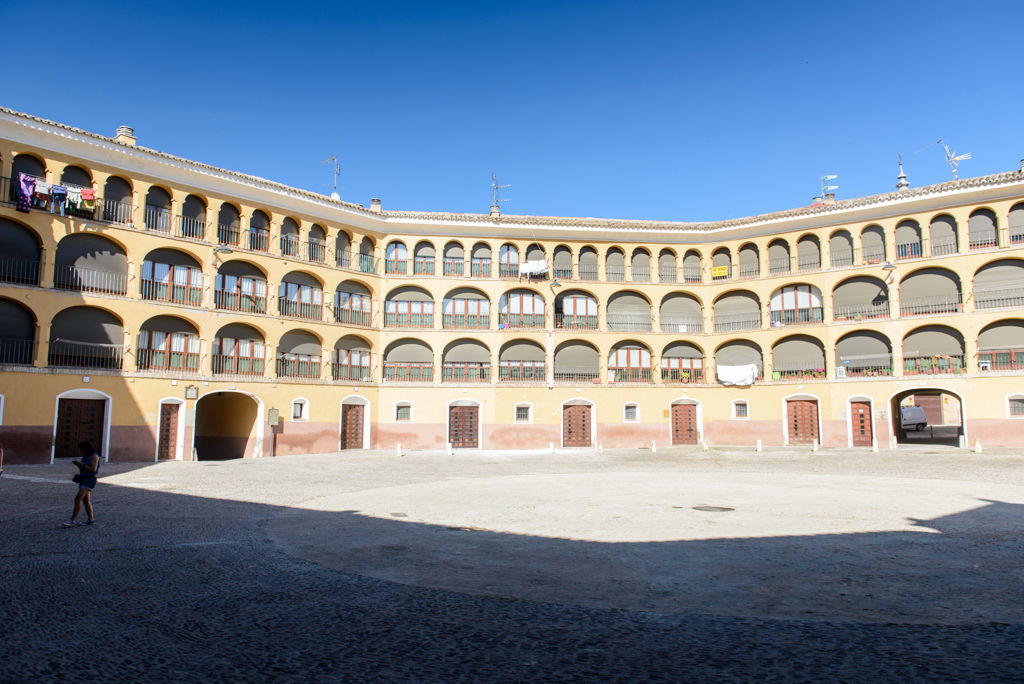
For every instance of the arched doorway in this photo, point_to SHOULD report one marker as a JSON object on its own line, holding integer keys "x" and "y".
{"x": 227, "y": 426}
{"x": 943, "y": 412}
{"x": 355, "y": 423}
{"x": 578, "y": 426}
{"x": 685, "y": 423}
{"x": 803, "y": 420}
{"x": 81, "y": 416}
{"x": 170, "y": 443}
{"x": 464, "y": 424}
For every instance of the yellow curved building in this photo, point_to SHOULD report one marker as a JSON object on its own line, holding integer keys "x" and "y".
{"x": 168, "y": 309}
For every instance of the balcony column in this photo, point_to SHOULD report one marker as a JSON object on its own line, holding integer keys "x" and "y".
{"x": 495, "y": 358}
{"x": 768, "y": 363}
{"x": 963, "y": 239}
{"x": 42, "y": 352}
{"x": 270, "y": 365}
{"x": 7, "y": 154}
{"x": 655, "y": 318}
{"x": 210, "y": 233}
{"x": 707, "y": 318}
{"x": 897, "y": 357}
{"x": 602, "y": 365}
{"x": 140, "y": 191}
{"x": 47, "y": 265}
{"x": 133, "y": 291}
{"x": 602, "y": 318}
{"x": 549, "y": 360}
{"x": 601, "y": 270}
{"x": 826, "y": 308}
{"x": 889, "y": 239}
{"x": 970, "y": 355}
{"x": 126, "y": 342}
{"x": 437, "y": 363}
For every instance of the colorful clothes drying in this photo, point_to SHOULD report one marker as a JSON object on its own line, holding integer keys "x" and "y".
{"x": 58, "y": 197}
{"x": 26, "y": 186}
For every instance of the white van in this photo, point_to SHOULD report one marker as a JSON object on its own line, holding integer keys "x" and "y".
{"x": 912, "y": 418}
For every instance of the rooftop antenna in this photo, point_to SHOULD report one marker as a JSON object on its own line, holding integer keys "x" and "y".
{"x": 335, "y": 169}
{"x": 825, "y": 187}
{"x": 495, "y": 189}
{"x": 952, "y": 158}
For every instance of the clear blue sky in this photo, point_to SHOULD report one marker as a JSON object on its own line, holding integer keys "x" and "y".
{"x": 661, "y": 110}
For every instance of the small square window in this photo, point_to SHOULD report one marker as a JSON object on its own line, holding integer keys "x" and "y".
{"x": 631, "y": 412}
{"x": 403, "y": 412}
{"x": 522, "y": 414}
{"x": 739, "y": 409}
{"x": 1017, "y": 406}
{"x": 298, "y": 410}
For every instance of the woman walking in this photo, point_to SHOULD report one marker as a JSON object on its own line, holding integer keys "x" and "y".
{"x": 88, "y": 469}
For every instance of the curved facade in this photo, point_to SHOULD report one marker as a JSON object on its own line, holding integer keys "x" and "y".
{"x": 169, "y": 309}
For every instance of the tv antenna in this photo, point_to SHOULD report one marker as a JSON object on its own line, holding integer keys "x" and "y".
{"x": 495, "y": 190}
{"x": 825, "y": 187}
{"x": 952, "y": 158}
{"x": 335, "y": 170}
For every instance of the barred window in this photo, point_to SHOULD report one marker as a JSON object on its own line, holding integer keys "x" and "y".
{"x": 1017, "y": 406}
{"x": 632, "y": 412}
{"x": 739, "y": 409}
{"x": 403, "y": 412}
{"x": 523, "y": 413}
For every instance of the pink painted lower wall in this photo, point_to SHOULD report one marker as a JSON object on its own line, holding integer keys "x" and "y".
{"x": 743, "y": 432}
{"x": 521, "y": 436}
{"x": 833, "y": 433}
{"x": 418, "y": 436}
{"x": 26, "y": 444}
{"x": 305, "y": 438}
{"x": 1005, "y": 432}
{"x": 631, "y": 435}
{"x": 129, "y": 443}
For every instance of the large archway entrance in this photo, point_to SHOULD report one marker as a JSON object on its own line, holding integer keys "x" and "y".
{"x": 227, "y": 426}
{"x": 943, "y": 413}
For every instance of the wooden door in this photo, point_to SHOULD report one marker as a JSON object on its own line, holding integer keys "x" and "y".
{"x": 167, "y": 445}
{"x": 803, "y": 421}
{"x": 684, "y": 424}
{"x": 932, "y": 406}
{"x": 463, "y": 426}
{"x": 78, "y": 420}
{"x": 576, "y": 426}
{"x": 860, "y": 423}
{"x": 351, "y": 426}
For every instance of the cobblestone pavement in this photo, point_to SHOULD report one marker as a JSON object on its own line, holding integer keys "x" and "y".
{"x": 180, "y": 580}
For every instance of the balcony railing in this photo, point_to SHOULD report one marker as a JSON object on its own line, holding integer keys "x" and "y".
{"x": 681, "y": 324}
{"x": 797, "y": 372}
{"x": 623, "y": 321}
{"x": 290, "y": 245}
{"x": 873, "y": 256}
{"x": 804, "y": 316}
{"x": 288, "y": 307}
{"x": 927, "y": 306}
{"x": 408, "y": 320}
{"x": 466, "y": 321}
{"x": 157, "y": 219}
{"x": 984, "y": 240}
{"x": 629, "y": 374}
{"x": 315, "y": 251}
{"x": 682, "y": 376}
{"x": 223, "y": 364}
{"x": 347, "y": 372}
{"x": 568, "y": 374}
{"x": 943, "y": 246}
{"x": 667, "y": 275}
{"x": 115, "y": 211}
{"x": 691, "y": 274}
{"x": 171, "y": 292}
{"x": 750, "y": 271}
{"x": 228, "y": 235}
{"x": 396, "y": 266}
{"x": 167, "y": 361}
{"x": 466, "y": 372}
{"x": 998, "y": 299}
{"x": 841, "y": 259}
{"x": 996, "y": 360}
{"x": 298, "y": 368}
{"x": 910, "y": 250}
{"x": 190, "y": 227}
{"x": 68, "y": 277}
{"x": 859, "y": 312}
{"x": 23, "y": 271}
{"x": 423, "y": 266}
{"x": 258, "y": 240}
{"x": 364, "y": 263}
{"x": 615, "y": 273}
{"x": 576, "y": 321}
{"x": 453, "y": 266}
{"x": 521, "y": 371}
{"x": 641, "y": 274}
{"x": 508, "y": 270}
{"x": 72, "y": 354}
{"x": 15, "y": 351}
{"x": 408, "y": 372}
{"x": 234, "y": 301}
{"x": 734, "y": 322}
{"x": 587, "y": 272}
{"x": 563, "y": 272}
{"x": 868, "y": 366}
{"x": 353, "y": 317}
{"x": 809, "y": 264}
{"x": 480, "y": 268}
{"x": 933, "y": 365}
{"x": 518, "y": 320}
{"x": 779, "y": 265}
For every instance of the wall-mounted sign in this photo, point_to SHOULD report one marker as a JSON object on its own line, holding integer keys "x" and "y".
{"x": 720, "y": 272}
{"x": 191, "y": 392}
{"x": 273, "y": 417}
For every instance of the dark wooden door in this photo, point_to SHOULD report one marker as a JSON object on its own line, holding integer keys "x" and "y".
{"x": 463, "y": 426}
{"x": 860, "y": 421}
{"x": 684, "y": 424}
{"x": 351, "y": 426}
{"x": 576, "y": 426}
{"x": 78, "y": 420}
{"x": 932, "y": 405}
{"x": 167, "y": 445}
{"x": 803, "y": 420}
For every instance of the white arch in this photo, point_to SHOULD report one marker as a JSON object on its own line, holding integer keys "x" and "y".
{"x": 849, "y": 418}
{"x": 785, "y": 414}
{"x": 479, "y": 420}
{"x": 355, "y": 400}
{"x": 578, "y": 401}
{"x": 258, "y": 427}
{"x": 963, "y": 407}
{"x": 700, "y": 416}
{"x": 180, "y": 437}
{"x": 83, "y": 393}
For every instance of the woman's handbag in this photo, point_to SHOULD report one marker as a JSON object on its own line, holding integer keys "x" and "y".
{"x": 77, "y": 477}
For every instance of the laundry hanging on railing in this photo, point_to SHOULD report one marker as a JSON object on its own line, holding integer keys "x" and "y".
{"x": 26, "y": 187}
{"x": 536, "y": 268}
{"x": 737, "y": 375}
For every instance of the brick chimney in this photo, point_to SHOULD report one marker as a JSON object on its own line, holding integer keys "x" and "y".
{"x": 125, "y": 134}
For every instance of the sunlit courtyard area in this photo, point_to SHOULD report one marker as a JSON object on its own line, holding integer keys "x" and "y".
{"x": 680, "y": 564}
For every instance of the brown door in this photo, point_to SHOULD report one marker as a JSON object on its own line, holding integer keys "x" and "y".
{"x": 576, "y": 426}
{"x": 803, "y": 420}
{"x": 463, "y": 425}
{"x": 684, "y": 424}
{"x": 78, "y": 420}
{"x": 167, "y": 446}
{"x": 932, "y": 405}
{"x": 860, "y": 421}
{"x": 351, "y": 426}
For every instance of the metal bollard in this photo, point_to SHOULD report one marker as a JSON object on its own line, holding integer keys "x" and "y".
{"x": 758, "y": 447}
{"x": 654, "y": 447}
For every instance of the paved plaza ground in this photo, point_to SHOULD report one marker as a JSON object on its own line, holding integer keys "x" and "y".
{"x": 679, "y": 565}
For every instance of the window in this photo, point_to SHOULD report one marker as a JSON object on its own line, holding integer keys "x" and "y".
{"x": 631, "y": 413}
{"x": 351, "y": 307}
{"x": 300, "y": 409}
{"x": 403, "y": 412}
{"x": 740, "y": 409}
{"x": 241, "y": 293}
{"x": 1017, "y": 406}
{"x": 169, "y": 283}
{"x": 522, "y": 413}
